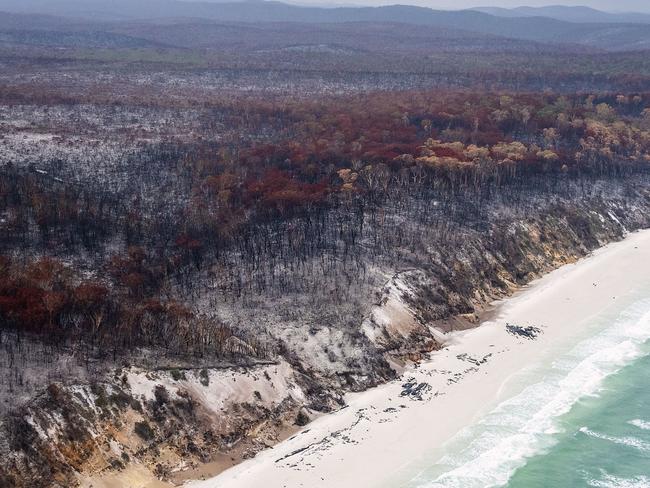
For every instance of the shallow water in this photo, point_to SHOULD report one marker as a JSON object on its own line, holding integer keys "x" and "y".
{"x": 605, "y": 439}
{"x": 579, "y": 419}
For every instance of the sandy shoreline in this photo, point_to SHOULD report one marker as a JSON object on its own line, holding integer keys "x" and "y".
{"x": 383, "y": 430}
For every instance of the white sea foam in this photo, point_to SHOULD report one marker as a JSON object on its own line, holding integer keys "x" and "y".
{"x": 524, "y": 425}
{"x": 641, "y": 424}
{"x": 608, "y": 481}
{"x": 622, "y": 441}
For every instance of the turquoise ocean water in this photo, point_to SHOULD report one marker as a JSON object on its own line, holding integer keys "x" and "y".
{"x": 579, "y": 419}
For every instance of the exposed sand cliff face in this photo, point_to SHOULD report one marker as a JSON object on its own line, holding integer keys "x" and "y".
{"x": 154, "y": 422}
{"x": 143, "y": 424}
{"x": 454, "y": 289}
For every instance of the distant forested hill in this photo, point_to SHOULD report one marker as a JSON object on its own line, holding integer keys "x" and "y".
{"x": 612, "y": 35}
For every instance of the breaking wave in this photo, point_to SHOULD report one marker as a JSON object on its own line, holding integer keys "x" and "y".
{"x": 524, "y": 425}
{"x": 621, "y": 441}
{"x": 641, "y": 424}
{"x": 608, "y": 481}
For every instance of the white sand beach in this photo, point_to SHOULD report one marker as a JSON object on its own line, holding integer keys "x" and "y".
{"x": 382, "y": 431}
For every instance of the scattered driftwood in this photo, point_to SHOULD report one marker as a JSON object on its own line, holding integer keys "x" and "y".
{"x": 470, "y": 359}
{"x": 293, "y": 453}
{"x": 530, "y": 332}
{"x": 328, "y": 441}
{"x": 414, "y": 390}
